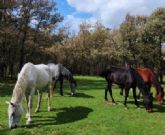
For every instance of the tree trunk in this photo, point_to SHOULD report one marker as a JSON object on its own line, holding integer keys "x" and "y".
{"x": 22, "y": 50}
{"x": 160, "y": 59}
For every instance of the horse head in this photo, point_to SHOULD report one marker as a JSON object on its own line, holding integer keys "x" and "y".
{"x": 148, "y": 102}
{"x": 160, "y": 96}
{"x": 14, "y": 114}
{"x": 73, "y": 86}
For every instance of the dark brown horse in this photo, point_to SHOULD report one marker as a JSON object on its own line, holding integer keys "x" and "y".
{"x": 127, "y": 78}
{"x": 150, "y": 79}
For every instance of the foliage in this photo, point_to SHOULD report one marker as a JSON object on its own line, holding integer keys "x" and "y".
{"x": 25, "y": 32}
{"x": 27, "y": 27}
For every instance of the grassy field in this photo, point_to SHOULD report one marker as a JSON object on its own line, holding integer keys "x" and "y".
{"x": 84, "y": 114}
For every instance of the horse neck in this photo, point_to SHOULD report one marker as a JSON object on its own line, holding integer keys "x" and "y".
{"x": 70, "y": 78}
{"x": 66, "y": 73}
{"x": 155, "y": 83}
{"x": 18, "y": 91}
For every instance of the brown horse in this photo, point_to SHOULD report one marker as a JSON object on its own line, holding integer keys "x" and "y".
{"x": 126, "y": 78}
{"x": 150, "y": 79}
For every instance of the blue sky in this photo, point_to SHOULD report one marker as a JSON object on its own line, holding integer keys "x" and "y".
{"x": 65, "y": 9}
{"x": 110, "y": 13}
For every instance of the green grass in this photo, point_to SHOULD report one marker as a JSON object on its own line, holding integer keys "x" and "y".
{"x": 84, "y": 114}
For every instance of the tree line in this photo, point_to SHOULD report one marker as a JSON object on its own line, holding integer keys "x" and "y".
{"x": 137, "y": 42}
{"x": 27, "y": 34}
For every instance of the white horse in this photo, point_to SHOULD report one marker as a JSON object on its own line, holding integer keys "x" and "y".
{"x": 30, "y": 78}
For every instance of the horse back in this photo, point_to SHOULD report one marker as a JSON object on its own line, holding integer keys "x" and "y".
{"x": 120, "y": 76}
{"x": 55, "y": 70}
{"x": 40, "y": 75}
{"x": 147, "y": 75}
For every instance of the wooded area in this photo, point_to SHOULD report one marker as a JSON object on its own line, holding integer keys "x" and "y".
{"x": 27, "y": 35}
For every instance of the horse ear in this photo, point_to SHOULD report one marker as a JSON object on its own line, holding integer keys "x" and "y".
{"x": 10, "y": 103}
{"x": 7, "y": 102}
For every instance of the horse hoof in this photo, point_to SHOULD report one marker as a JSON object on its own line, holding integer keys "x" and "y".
{"x": 28, "y": 122}
{"x": 36, "y": 110}
{"x": 114, "y": 103}
{"x": 27, "y": 116}
{"x": 107, "y": 102}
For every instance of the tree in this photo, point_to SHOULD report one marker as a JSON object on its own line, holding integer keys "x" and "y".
{"x": 8, "y": 35}
{"x": 156, "y": 31}
{"x": 41, "y": 15}
{"x": 25, "y": 31}
{"x": 129, "y": 35}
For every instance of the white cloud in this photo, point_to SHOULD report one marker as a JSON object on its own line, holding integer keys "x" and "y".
{"x": 74, "y": 22}
{"x": 112, "y": 12}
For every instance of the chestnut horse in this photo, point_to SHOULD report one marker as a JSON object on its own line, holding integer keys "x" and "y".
{"x": 150, "y": 79}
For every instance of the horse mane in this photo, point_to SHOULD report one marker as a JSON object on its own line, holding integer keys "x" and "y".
{"x": 110, "y": 69}
{"x": 62, "y": 71}
{"x": 153, "y": 79}
{"x": 21, "y": 84}
{"x": 65, "y": 72}
{"x": 105, "y": 72}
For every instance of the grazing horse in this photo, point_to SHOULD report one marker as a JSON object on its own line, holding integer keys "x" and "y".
{"x": 59, "y": 72}
{"x": 30, "y": 78}
{"x": 126, "y": 79}
{"x": 150, "y": 79}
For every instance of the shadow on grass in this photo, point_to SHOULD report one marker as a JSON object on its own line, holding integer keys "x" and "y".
{"x": 91, "y": 85}
{"x": 65, "y": 115}
{"x": 156, "y": 107}
{"x": 5, "y": 130}
{"x": 82, "y": 95}
{"x": 77, "y": 95}
{"x": 159, "y": 108}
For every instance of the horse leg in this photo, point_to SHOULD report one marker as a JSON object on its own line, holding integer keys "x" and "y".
{"x": 29, "y": 119}
{"x": 110, "y": 92}
{"x": 135, "y": 98}
{"x": 105, "y": 97}
{"x": 54, "y": 82}
{"x": 61, "y": 87}
{"x": 27, "y": 113}
{"x": 39, "y": 101}
{"x": 50, "y": 87}
{"x": 121, "y": 91}
{"x": 126, "y": 96}
{"x": 149, "y": 87}
{"x": 72, "y": 89}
